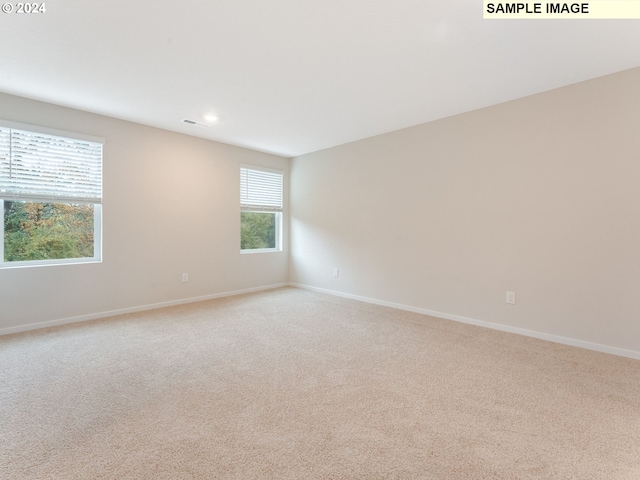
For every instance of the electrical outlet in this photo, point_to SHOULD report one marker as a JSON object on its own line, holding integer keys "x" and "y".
{"x": 511, "y": 298}
{"x": 336, "y": 272}
{"x": 185, "y": 277}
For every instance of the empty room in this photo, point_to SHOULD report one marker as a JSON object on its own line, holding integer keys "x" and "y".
{"x": 325, "y": 240}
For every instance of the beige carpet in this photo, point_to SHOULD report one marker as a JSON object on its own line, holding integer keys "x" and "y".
{"x": 291, "y": 384}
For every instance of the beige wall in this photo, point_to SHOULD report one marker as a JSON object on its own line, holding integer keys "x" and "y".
{"x": 540, "y": 196}
{"x": 171, "y": 205}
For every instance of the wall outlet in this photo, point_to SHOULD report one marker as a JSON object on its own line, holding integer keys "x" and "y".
{"x": 336, "y": 272}
{"x": 511, "y": 298}
{"x": 185, "y": 277}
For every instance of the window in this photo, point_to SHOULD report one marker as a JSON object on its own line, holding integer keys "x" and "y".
{"x": 50, "y": 197}
{"x": 260, "y": 210}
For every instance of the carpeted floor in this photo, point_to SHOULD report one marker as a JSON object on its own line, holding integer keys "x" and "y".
{"x": 292, "y": 384}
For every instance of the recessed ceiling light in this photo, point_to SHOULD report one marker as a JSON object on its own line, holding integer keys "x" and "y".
{"x": 210, "y": 117}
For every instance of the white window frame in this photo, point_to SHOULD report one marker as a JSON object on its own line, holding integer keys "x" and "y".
{"x": 272, "y": 205}
{"x": 18, "y": 197}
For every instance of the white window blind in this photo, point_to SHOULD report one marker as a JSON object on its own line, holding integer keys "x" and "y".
{"x": 260, "y": 190}
{"x": 43, "y": 167}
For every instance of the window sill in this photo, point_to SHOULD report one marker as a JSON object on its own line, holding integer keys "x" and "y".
{"x": 48, "y": 263}
{"x": 260, "y": 250}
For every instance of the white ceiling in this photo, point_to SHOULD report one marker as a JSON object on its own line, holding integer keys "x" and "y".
{"x": 294, "y": 76}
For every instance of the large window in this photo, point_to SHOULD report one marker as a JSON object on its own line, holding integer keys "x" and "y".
{"x": 50, "y": 197}
{"x": 260, "y": 210}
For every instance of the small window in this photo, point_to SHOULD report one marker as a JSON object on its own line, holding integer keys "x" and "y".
{"x": 260, "y": 210}
{"x": 50, "y": 198}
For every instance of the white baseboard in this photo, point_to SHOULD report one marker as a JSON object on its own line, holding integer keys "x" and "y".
{"x": 447, "y": 316}
{"x": 113, "y": 313}
{"x": 481, "y": 323}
